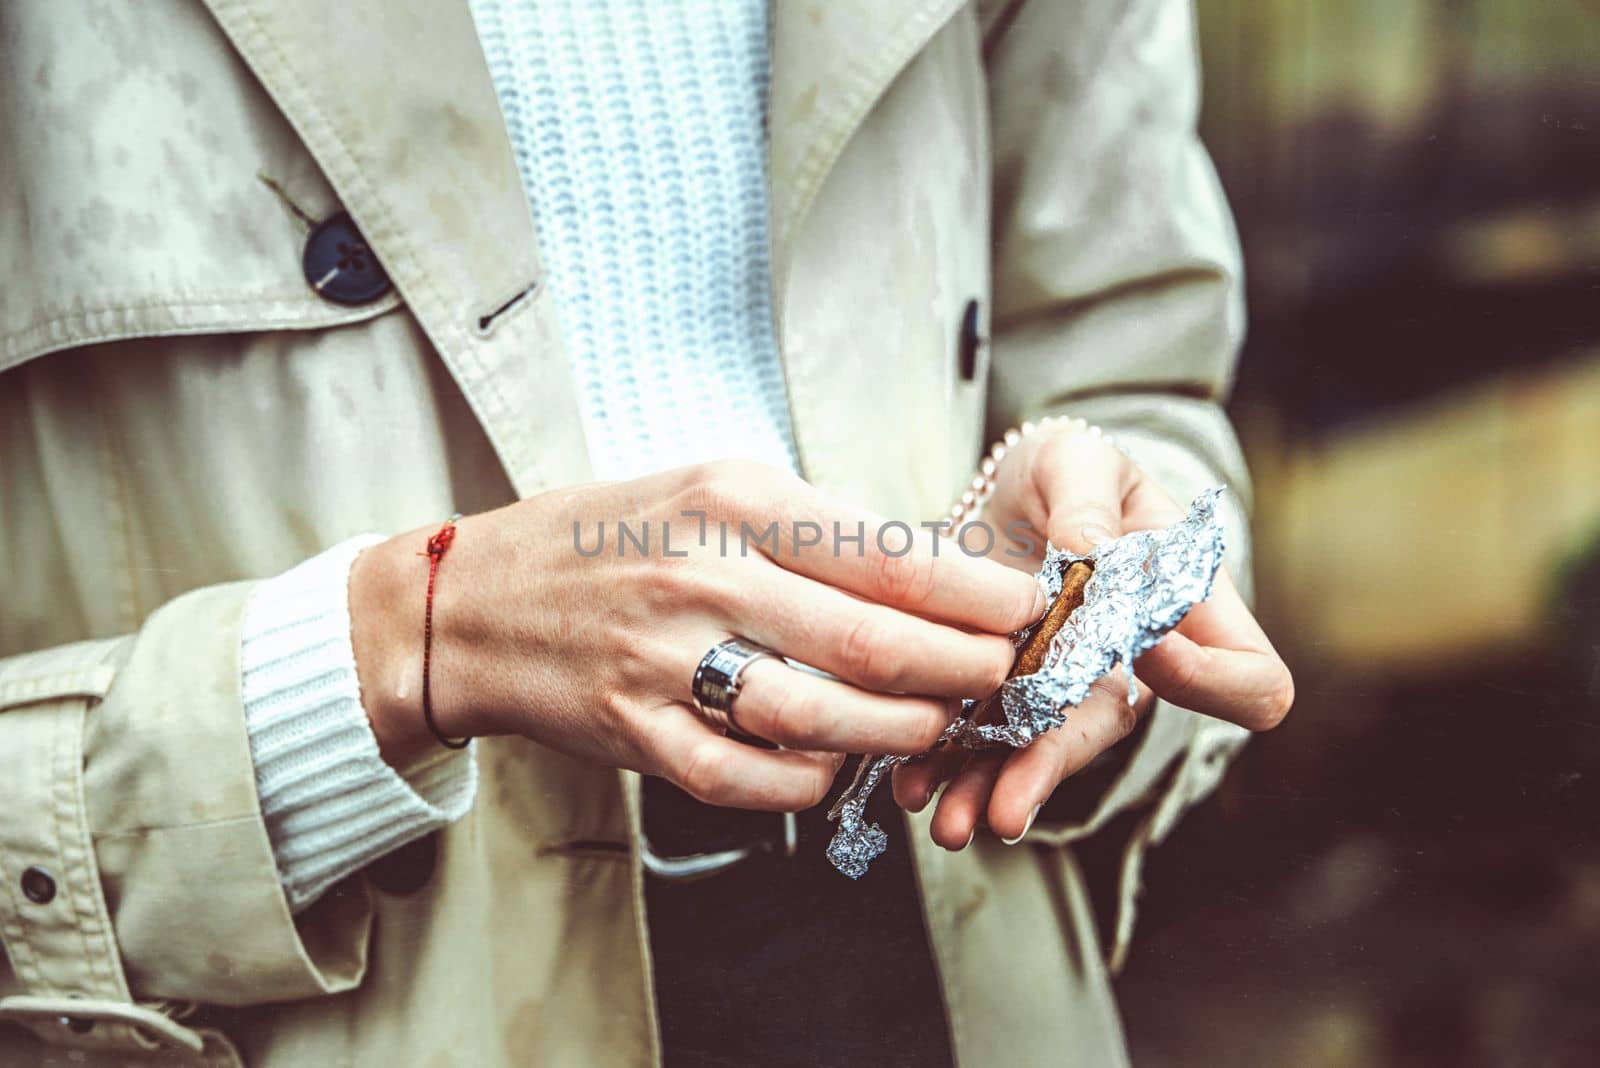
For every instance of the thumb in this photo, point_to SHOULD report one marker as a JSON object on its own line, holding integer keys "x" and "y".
{"x": 1083, "y": 481}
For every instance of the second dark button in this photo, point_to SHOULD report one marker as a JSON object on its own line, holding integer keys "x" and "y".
{"x": 972, "y": 340}
{"x": 339, "y": 265}
{"x": 37, "y": 886}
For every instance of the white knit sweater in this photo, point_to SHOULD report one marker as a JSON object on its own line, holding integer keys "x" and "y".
{"x": 331, "y": 803}
{"x": 638, "y": 127}
{"x": 639, "y": 130}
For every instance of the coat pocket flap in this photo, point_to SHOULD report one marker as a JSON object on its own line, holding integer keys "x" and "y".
{"x": 140, "y": 199}
{"x": 82, "y": 669}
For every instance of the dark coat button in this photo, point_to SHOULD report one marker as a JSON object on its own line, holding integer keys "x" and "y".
{"x": 37, "y": 886}
{"x": 972, "y": 340}
{"x": 407, "y": 869}
{"x": 340, "y": 266}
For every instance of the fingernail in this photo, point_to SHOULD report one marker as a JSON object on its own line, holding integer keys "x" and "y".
{"x": 971, "y": 835}
{"x": 1096, "y": 534}
{"x": 1026, "y": 827}
{"x": 1040, "y": 601}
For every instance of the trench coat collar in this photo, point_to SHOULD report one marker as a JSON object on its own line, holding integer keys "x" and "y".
{"x": 395, "y": 102}
{"x": 831, "y": 61}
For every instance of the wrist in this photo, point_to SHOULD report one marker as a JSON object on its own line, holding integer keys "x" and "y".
{"x": 388, "y": 593}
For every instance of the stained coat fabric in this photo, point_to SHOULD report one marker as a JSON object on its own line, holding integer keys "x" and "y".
{"x": 181, "y": 413}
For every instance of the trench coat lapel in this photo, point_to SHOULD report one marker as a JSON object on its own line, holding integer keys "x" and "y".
{"x": 831, "y": 61}
{"x": 395, "y": 102}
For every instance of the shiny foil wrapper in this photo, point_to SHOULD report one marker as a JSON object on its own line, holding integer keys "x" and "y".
{"x": 1142, "y": 586}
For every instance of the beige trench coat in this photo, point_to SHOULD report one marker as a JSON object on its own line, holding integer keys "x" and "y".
{"x": 180, "y": 413}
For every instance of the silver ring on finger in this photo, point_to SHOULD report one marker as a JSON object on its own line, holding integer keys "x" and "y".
{"x": 717, "y": 680}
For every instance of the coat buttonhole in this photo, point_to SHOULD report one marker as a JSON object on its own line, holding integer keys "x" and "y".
{"x": 485, "y": 324}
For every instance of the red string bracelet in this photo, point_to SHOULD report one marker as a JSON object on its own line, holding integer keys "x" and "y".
{"x": 438, "y": 545}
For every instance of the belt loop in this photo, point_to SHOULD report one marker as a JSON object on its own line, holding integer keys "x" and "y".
{"x": 53, "y": 915}
{"x": 73, "y": 1021}
{"x": 691, "y": 866}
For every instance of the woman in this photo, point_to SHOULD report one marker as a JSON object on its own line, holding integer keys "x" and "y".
{"x": 277, "y": 304}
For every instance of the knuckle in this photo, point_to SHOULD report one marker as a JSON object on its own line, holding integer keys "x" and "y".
{"x": 701, "y": 775}
{"x": 632, "y": 731}
{"x": 714, "y": 499}
{"x": 719, "y": 472}
{"x": 721, "y": 487}
{"x": 907, "y": 579}
{"x": 739, "y": 479}
{"x": 1126, "y": 718}
{"x": 616, "y": 702}
{"x": 1105, "y": 688}
{"x": 997, "y": 668}
{"x": 786, "y": 716}
{"x": 931, "y": 728}
{"x": 816, "y": 792}
{"x": 734, "y": 470}
{"x": 1185, "y": 679}
{"x": 700, "y": 584}
{"x": 644, "y": 663}
{"x": 1111, "y": 693}
{"x": 661, "y": 583}
{"x": 1024, "y": 600}
{"x": 1058, "y": 447}
{"x": 868, "y": 654}
{"x": 1277, "y": 704}
{"x": 1098, "y": 515}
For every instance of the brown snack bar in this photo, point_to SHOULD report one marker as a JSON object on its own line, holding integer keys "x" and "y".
{"x": 1030, "y": 656}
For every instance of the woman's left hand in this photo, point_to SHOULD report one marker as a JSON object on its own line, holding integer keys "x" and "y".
{"x": 1068, "y": 482}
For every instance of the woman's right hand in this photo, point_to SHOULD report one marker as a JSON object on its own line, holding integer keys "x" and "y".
{"x": 593, "y": 655}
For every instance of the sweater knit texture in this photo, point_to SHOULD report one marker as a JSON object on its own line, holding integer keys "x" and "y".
{"x": 639, "y": 128}
{"x": 331, "y": 803}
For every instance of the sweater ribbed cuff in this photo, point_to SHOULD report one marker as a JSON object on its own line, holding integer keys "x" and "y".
{"x": 332, "y": 804}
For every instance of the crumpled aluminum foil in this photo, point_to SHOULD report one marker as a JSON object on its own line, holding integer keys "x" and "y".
{"x": 1142, "y": 586}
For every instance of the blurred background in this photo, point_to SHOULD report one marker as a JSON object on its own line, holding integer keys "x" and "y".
{"x": 1408, "y": 871}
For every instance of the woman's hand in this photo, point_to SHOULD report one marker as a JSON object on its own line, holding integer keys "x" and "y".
{"x": 1071, "y": 484}
{"x": 593, "y": 654}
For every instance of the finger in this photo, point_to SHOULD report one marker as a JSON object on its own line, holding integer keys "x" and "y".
{"x": 1224, "y": 620}
{"x": 805, "y": 711}
{"x": 1220, "y": 662}
{"x": 868, "y": 644}
{"x": 720, "y": 771}
{"x": 1252, "y": 689}
{"x": 915, "y": 783}
{"x": 962, "y": 804}
{"x": 1031, "y": 775}
{"x": 906, "y": 568}
{"x": 1084, "y": 482}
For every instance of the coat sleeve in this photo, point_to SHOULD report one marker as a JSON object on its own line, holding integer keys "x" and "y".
{"x": 1117, "y": 298}
{"x": 135, "y": 866}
